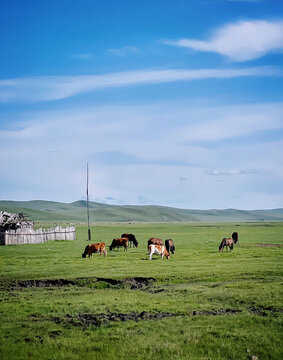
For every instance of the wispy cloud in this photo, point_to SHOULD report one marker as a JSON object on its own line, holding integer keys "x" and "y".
{"x": 222, "y": 127}
{"x": 46, "y": 88}
{"x": 230, "y": 172}
{"x": 124, "y": 51}
{"x": 240, "y": 41}
{"x": 248, "y": 138}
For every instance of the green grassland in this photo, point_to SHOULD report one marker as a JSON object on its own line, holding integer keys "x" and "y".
{"x": 199, "y": 304}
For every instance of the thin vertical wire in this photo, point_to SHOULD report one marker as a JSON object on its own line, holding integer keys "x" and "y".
{"x": 89, "y": 234}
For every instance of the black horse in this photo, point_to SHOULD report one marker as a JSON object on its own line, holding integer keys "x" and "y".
{"x": 235, "y": 237}
{"x": 170, "y": 247}
{"x": 132, "y": 239}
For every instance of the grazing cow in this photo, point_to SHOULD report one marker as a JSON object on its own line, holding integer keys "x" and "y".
{"x": 154, "y": 241}
{"x": 95, "y": 248}
{"x": 159, "y": 250}
{"x": 226, "y": 242}
{"x": 132, "y": 239}
{"x": 170, "y": 247}
{"x": 118, "y": 242}
{"x": 235, "y": 237}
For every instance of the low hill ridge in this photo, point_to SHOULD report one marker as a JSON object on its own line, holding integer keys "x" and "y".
{"x": 40, "y": 210}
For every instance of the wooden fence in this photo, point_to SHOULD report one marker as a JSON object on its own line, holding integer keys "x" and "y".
{"x": 29, "y": 236}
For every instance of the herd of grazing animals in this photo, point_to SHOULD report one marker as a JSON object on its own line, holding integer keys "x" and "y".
{"x": 154, "y": 245}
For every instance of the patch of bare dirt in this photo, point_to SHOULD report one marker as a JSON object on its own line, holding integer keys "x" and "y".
{"x": 254, "y": 309}
{"x": 263, "y": 310}
{"x": 134, "y": 283}
{"x": 45, "y": 283}
{"x": 85, "y": 320}
{"x": 217, "y": 312}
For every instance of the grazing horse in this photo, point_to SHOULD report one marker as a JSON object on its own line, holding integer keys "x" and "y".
{"x": 170, "y": 247}
{"x": 118, "y": 242}
{"x": 226, "y": 242}
{"x": 154, "y": 241}
{"x": 132, "y": 239}
{"x": 235, "y": 237}
{"x": 159, "y": 250}
{"x": 95, "y": 248}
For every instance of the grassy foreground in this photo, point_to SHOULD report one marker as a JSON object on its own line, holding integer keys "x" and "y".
{"x": 200, "y": 304}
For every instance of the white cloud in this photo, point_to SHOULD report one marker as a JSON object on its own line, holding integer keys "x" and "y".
{"x": 46, "y": 88}
{"x": 240, "y": 41}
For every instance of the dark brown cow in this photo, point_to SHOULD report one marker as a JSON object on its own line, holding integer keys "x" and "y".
{"x": 118, "y": 242}
{"x": 132, "y": 239}
{"x": 154, "y": 241}
{"x": 170, "y": 247}
{"x": 95, "y": 248}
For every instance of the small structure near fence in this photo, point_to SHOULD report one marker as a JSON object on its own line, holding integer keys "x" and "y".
{"x": 15, "y": 230}
{"x": 14, "y": 221}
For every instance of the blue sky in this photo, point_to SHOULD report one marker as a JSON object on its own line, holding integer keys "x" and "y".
{"x": 175, "y": 103}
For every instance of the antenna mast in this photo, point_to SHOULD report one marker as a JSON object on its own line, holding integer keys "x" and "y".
{"x": 89, "y": 234}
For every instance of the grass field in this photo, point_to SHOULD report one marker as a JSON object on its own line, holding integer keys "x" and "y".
{"x": 200, "y": 304}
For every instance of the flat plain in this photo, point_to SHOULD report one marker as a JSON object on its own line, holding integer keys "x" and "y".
{"x": 199, "y": 304}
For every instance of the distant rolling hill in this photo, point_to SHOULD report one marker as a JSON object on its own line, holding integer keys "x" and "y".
{"x": 39, "y": 210}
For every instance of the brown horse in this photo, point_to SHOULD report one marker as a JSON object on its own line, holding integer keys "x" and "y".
{"x": 226, "y": 242}
{"x": 118, "y": 242}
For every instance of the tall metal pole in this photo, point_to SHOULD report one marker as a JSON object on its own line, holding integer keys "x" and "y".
{"x": 89, "y": 234}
